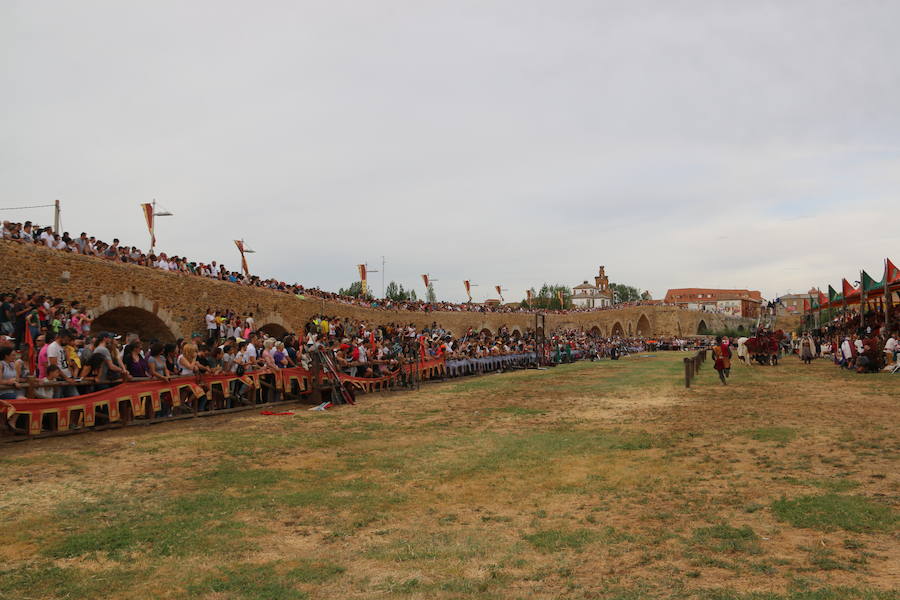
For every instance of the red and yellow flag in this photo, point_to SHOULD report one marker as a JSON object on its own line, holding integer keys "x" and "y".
{"x": 848, "y": 289}
{"x": 148, "y": 216}
{"x": 240, "y": 247}
{"x": 892, "y": 273}
{"x": 362, "y": 279}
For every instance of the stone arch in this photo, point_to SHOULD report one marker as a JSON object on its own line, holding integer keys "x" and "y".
{"x": 643, "y": 326}
{"x": 629, "y": 329}
{"x": 130, "y": 319}
{"x": 702, "y": 328}
{"x": 272, "y": 320}
{"x": 132, "y": 312}
{"x": 617, "y": 330}
{"x": 275, "y": 330}
{"x": 486, "y": 331}
{"x": 516, "y": 332}
{"x": 740, "y": 327}
{"x": 596, "y": 331}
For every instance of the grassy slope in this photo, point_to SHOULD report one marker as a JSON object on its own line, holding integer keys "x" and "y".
{"x": 603, "y": 480}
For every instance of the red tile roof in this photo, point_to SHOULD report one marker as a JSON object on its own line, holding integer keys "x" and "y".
{"x": 709, "y": 295}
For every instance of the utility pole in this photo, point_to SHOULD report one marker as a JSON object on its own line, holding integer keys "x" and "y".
{"x": 56, "y": 217}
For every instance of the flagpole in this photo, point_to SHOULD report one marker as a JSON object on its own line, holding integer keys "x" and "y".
{"x": 888, "y": 300}
{"x": 153, "y": 227}
{"x": 862, "y": 300}
{"x": 819, "y": 313}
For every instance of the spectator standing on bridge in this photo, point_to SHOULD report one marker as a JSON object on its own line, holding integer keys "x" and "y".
{"x": 212, "y": 327}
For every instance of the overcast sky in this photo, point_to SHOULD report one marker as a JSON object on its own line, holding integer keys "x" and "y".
{"x": 715, "y": 144}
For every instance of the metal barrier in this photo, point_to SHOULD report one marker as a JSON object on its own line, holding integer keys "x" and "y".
{"x": 692, "y": 366}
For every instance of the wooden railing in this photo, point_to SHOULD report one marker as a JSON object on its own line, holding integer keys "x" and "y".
{"x": 692, "y": 366}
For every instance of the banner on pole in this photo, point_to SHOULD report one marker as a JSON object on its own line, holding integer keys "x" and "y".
{"x": 148, "y": 216}
{"x": 240, "y": 247}
{"x": 362, "y": 279}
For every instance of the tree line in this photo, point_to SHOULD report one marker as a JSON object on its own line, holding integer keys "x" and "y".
{"x": 549, "y": 297}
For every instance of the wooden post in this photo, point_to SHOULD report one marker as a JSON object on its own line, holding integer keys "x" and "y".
{"x": 688, "y": 371}
{"x": 888, "y": 298}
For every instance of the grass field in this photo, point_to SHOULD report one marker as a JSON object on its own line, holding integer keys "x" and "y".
{"x": 593, "y": 480}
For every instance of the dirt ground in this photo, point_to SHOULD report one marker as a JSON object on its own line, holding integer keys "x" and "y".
{"x": 592, "y": 480}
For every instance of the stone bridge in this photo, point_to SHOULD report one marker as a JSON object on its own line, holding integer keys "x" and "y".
{"x": 161, "y": 305}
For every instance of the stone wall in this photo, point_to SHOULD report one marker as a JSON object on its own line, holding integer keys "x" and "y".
{"x": 168, "y": 305}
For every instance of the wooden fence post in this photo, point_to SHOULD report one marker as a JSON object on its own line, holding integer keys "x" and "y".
{"x": 688, "y": 371}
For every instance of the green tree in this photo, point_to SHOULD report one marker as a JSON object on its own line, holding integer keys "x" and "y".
{"x": 625, "y": 293}
{"x": 548, "y": 297}
{"x": 355, "y": 290}
{"x": 395, "y": 292}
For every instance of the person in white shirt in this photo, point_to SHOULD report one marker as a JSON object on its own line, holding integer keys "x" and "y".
{"x": 250, "y": 353}
{"x": 846, "y": 354}
{"x": 56, "y": 356}
{"x": 47, "y": 238}
{"x": 890, "y": 350}
{"x": 212, "y": 328}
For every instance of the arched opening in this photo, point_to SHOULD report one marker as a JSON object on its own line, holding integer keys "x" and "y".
{"x": 741, "y": 328}
{"x": 486, "y": 332}
{"x": 702, "y": 329}
{"x": 629, "y": 329}
{"x": 617, "y": 330}
{"x": 643, "y": 326}
{"x": 595, "y": 332}
{"x": 516, "y": 333}
{"x": 274, "y": 330}
{"x": 130, "y": 319}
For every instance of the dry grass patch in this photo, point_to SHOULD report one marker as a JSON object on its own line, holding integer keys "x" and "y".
{"x": 594, "y": 480}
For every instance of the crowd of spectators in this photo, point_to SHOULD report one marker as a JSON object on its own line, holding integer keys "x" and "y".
{"x": 30, "y": 233}
{"x": 855, "y": 340}
{"x": 66, "y": 358}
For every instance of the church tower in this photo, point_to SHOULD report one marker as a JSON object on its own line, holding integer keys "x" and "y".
{"x": 601, "y": 280}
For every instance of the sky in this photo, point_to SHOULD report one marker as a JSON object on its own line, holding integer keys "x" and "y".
{"x": 678, "y": 143}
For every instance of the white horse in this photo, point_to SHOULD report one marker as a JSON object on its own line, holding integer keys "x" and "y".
{"x": 742, "y": 351}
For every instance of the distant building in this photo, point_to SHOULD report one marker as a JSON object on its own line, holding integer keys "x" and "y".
{"x": 593, "y": 296}
{"x": 793, "y": 303}
{"x": 740, "y": 303}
